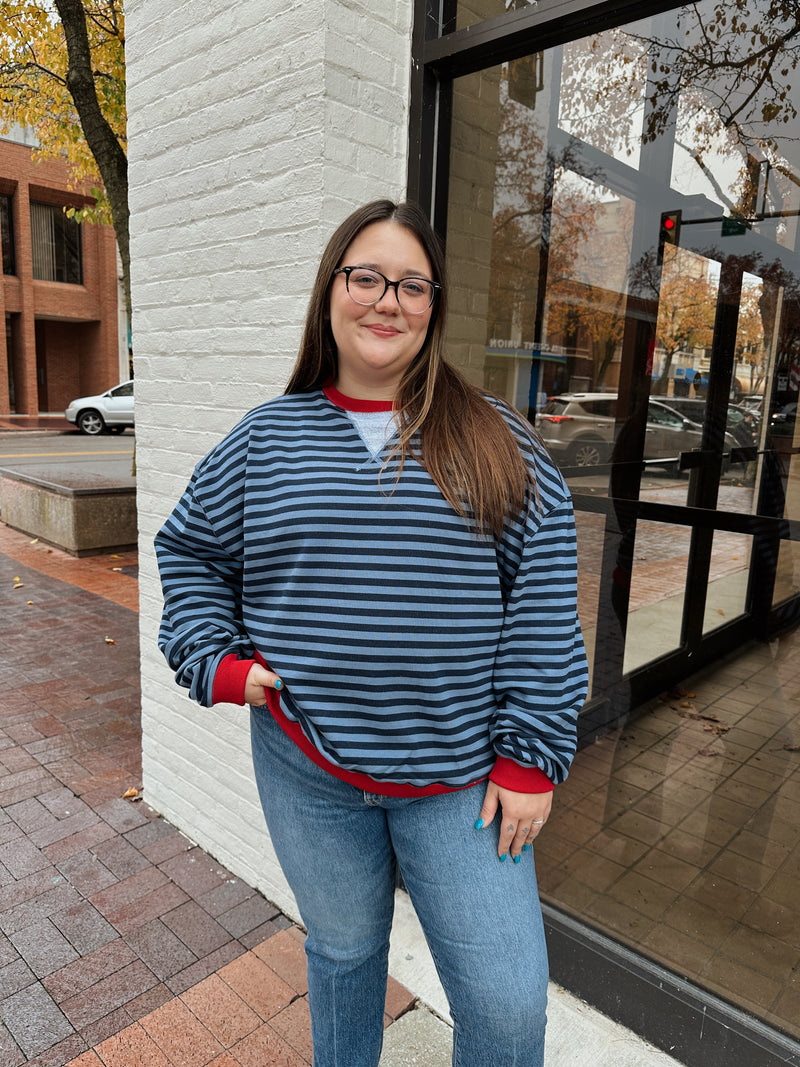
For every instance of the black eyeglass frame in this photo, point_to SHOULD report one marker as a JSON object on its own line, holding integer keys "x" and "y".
{"x": 436, "y": 288}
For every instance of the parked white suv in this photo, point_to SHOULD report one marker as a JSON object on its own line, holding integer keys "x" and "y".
{"x": 112, "y": 410}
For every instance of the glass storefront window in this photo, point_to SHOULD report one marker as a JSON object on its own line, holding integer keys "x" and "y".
{"x": 607, "y": 114}
{"x": 470, "y": 12}
{"x": 657, "y": 585}
{"x": 728, "y": 571}
{"x": 624, "y": 256}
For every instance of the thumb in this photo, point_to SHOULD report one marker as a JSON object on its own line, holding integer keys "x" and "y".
{"x": 258, "y": 680}
{"x": 261, "y": 676}
{"x": 489, "y": 808}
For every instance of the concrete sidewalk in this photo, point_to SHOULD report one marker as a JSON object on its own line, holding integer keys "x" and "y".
{"x": 44, "y": 421}
{"x": 121, "y": 943}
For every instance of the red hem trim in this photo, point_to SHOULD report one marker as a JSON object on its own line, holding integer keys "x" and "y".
{"x": 519, "y": 779}
{"x": 294, "y": 732}
{"x": 228, "y": 688}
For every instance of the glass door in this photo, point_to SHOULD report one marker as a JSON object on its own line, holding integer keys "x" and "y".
{"x": 624, "y": 258}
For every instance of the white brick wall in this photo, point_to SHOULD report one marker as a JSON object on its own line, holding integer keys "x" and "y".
{"x": 255, "y": 127}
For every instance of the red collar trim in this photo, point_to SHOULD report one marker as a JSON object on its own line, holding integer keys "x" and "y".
{"x": 350, "y": 403}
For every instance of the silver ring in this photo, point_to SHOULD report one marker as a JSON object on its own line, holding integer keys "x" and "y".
{"x": 537, "y": 822}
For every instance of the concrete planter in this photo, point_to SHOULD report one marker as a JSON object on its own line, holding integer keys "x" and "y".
{"x": 85, "y": 514}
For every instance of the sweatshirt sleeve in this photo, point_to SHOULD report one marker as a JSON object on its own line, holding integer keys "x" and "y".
{"x": 200, "y": 561}
{"x": 541, "y": 675}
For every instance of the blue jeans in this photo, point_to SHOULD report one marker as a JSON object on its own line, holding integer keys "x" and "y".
{"x": 339, "y": 848}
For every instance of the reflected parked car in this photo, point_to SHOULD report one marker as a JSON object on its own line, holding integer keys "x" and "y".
{"x": 112, "y": 410}
{"x": 782, "y": 422}
{"x": 579, "y": 430}
{"x": 694, "y": 408}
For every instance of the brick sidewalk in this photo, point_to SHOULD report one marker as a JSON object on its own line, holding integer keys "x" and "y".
{"x": 121, "y": 943}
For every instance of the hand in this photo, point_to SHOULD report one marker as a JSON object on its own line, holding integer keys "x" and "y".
{"x": 522, "y": 817}
{"x": 258, "y": 680}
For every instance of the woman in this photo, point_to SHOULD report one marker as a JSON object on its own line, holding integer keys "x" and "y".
{"x": 381, "y": 563}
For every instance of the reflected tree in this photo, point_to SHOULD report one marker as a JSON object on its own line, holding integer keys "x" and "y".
{"x": 738, "y": 59}
{"x": 686, "y": 309}
{"x": 538, "y": 217}
{"x": 726, "y": 73}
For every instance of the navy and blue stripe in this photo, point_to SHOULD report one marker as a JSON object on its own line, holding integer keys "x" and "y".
{"x": 411, "y": 649}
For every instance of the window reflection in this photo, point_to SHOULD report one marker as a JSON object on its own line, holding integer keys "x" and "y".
{"x": 663, "y": 374}
{"x": 603, "y": 93}
{"x": 470, "y": 12}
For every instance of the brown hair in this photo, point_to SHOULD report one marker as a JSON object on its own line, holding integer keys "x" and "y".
{"x": 464, "y": 442}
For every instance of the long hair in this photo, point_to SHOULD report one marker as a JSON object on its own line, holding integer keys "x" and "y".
{"x": 443, "y": 421}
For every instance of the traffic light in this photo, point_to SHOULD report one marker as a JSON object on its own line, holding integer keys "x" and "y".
{"x": 669, "y": 231}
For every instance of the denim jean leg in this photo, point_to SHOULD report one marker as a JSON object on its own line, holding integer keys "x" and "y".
{"x": 483, "y": 922}
{"x": 334, "y": 849}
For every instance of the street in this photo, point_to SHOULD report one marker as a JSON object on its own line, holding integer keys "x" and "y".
{"x": 106, "y": 454}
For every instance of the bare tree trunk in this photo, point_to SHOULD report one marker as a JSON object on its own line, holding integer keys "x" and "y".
{"x": 106, "y": 149}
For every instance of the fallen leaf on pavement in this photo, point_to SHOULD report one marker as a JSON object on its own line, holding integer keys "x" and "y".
{"x": 696, "y": 715}
{"x": 110, "y": 641}
{"x": 678, "y": 691}
{"x": 129, "y": 793}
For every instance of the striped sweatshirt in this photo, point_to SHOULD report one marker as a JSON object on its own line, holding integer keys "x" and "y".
{"x": 414, "y": 653}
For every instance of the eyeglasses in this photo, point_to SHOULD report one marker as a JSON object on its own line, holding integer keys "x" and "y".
{"x": 367, "y": 287}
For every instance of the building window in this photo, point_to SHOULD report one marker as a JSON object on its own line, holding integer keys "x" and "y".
{"x": 56, "y": 245}
{"x": 7, "y": 233}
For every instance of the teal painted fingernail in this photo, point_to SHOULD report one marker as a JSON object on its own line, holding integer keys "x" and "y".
{"x": 517, "y": 859}
{"x": 278, "y": 684}
{"x": 479, "y": 824}
{"x": 527, "y": 848}
{"x": 503, "y": 857}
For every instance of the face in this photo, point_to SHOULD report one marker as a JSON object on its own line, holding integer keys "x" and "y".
{"x": 376, "y": 343}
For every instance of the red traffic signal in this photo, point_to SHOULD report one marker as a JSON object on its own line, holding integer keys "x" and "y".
{"x": 669, "y": 231}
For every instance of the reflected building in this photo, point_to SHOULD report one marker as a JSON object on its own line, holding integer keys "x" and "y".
{"x": 621, "y": 210}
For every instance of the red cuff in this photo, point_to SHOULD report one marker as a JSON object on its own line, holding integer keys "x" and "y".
{"x": 230, "y": 679}
{"x": 511, "y": 775}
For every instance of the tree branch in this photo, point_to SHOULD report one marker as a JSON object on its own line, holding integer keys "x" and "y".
{"x": 20, "y": 68}
{"x": 696, "y": 156}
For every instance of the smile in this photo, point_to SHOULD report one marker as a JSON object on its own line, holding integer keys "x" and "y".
{"x": 382, "y": 331}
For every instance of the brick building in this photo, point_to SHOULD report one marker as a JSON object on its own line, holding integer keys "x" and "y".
{"x": 59, "y": 292}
